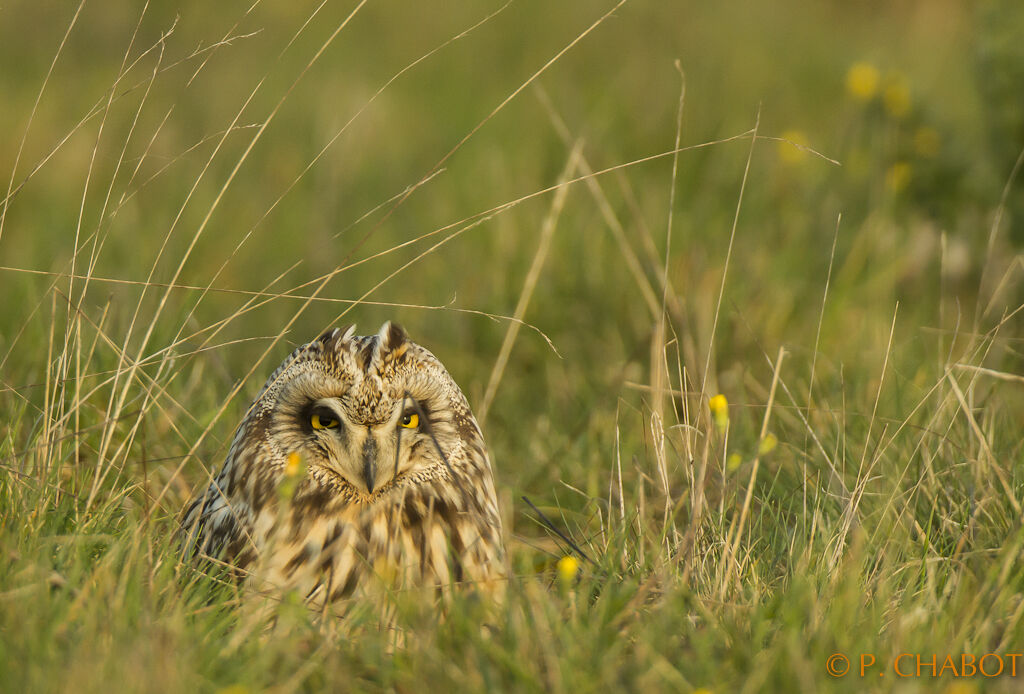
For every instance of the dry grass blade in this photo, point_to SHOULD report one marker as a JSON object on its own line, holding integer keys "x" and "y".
{"x": 993, "y": 231}
{"x": 1001, "y": 375}
{"x": 850, "y": 511}
{"x": 607, "y": 213}
{"x": 732, "y": 542}
{"x": 986, "y": 449}
{"x": 547, "y": 231}
{"x": 728, "y": 258}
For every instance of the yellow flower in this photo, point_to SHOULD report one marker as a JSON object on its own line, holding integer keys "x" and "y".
{"x": 294, "y": 467}
{"x": 733, "y": 461}
{"x": 568, "y": 567}
{"x": 927, "y": 141}
{"x": 719, "y": 407}
{"x": 790, "y": 151}
{"x": 897, "y": 177}
{"x": 862, "y": 81}
{"x": 896, "y": 96}
{"x": 767, "y": 445}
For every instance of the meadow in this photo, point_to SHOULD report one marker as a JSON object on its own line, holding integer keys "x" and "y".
{"x": 734, "y": 288}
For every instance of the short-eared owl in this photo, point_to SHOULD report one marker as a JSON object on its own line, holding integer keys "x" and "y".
{"x": 359, "y": 459}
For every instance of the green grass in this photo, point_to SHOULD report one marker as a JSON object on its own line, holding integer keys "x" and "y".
{"x": 162, "y": 250}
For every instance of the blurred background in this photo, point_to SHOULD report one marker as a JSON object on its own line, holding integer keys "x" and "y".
{"x": 214, "y": 147}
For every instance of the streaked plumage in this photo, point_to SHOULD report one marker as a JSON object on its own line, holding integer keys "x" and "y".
{"x": 359, "y": 460}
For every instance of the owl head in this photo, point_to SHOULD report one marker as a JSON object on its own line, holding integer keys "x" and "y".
{"x": 366, "y": 414}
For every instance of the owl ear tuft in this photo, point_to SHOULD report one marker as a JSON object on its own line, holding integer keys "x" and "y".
{"x": 328, "y": 336}
{"x": 336, "y": 335}
{"x": 391, "y": 336}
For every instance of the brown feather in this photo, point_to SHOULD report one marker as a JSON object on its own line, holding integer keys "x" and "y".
{"x": 427, "y": 514}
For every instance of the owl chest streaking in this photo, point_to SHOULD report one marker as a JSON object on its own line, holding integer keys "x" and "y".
{"x": 360, "y": 460}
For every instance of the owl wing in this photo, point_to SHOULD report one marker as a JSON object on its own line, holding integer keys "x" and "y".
{"x": 218, "y": 524}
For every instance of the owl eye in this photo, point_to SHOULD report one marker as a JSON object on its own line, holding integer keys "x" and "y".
{"x": 410, "y": 420}
{"x": 324, "y": 420}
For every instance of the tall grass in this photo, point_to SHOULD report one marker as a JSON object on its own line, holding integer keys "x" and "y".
{"x": 768, "y": 400}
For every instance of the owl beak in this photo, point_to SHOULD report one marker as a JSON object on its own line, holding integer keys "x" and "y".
{"x": 369, "y": 462}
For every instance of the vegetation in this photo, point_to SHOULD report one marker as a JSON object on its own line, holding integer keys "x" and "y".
{"x": 737, "y": 295}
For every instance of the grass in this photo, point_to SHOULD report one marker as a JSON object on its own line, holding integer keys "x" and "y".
{"x": 596, "y": 246}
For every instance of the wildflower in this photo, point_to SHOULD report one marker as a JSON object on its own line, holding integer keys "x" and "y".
{"x": 719, "y": 407}
{"x": 896, "y": 96}
{"x": 733, "y": 461}
{"x": 768, "y": 444}
{"x": 897, "y": 177}
{"x": 927, "y": 141}
{"x": 862, "y": 81}
{"x": 568, "y": 567}
{"x": 790, "y": 148}
{"x": 293, "y": 467}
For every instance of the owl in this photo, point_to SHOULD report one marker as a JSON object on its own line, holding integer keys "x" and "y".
{"x": 359, "y": 462}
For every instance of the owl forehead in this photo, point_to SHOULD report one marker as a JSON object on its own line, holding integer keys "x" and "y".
{"x": 368, "y": 402}
{"x": 370, "y": 375}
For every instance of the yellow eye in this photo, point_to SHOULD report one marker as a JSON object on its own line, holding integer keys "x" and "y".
{"x": 323, "y": 421}
{"x": 410, "y": 420}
